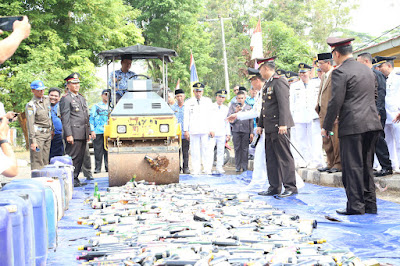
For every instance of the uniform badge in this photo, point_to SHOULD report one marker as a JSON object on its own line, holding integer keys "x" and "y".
{"x": 30, "y": 112}
{"x": 270, "y": 90}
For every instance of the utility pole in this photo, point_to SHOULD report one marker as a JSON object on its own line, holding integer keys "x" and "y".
{"x": 221, "y": 19}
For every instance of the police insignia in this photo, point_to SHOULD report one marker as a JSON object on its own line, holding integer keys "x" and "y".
{"x": 270, "y": 90}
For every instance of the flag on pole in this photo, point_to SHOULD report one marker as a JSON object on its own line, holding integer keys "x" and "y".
{"x": 193, "y": 73}
{"x": 178, "y": 84}
{"x": 256, "y": 45}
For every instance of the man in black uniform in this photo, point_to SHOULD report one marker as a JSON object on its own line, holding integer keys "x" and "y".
{"x": 276, "y": 120}
{"x": 381, "y": 148}
{"x": 75, "y": 121}
{"x": 353, "y": 100}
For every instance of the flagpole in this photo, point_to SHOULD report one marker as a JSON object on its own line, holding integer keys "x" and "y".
{"x": 225, "y": 60}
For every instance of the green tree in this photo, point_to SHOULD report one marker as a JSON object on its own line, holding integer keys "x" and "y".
{"x": 66, "y": 35}
{"x": 173, "y": 24}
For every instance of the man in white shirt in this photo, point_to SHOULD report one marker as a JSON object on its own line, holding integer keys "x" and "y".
{"x": 306, "y": 136}
{"x": 197, "y": 129}
{"x": 392, "y": 130}
{"x": 8, "y": 162}
{"x": 222, "y": 130}
{"x": 259, "y": 180}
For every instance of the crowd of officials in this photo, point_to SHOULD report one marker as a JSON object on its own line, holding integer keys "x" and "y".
{"x": 350, "y": 110}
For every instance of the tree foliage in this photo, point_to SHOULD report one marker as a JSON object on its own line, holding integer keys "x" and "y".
{"x": 66, "y": 36}
{"x": 174, "y": 24}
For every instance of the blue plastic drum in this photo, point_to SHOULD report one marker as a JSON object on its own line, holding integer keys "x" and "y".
{"x": 17, "y": 221}
{"x": 55, "y": 172}
{"x": 27, "y": 210}
{"x": 39, "y": 214}
{"x": 50, "y": 209}
{"x": 6, "y": 238}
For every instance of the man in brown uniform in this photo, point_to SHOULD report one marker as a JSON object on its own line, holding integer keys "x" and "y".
{"x": 330, "y": 145}
{"x": 39, "y": 125}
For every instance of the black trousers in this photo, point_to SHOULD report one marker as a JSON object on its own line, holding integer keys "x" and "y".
{"x": 77, "y": 152}
{"x": 185, "y": 153}
{"x": 382, "y": 151}
{"x": 99, "y": 153}
{"x": 57, "y": 146}
{"x": 357, "y": 154}
{"x": 241, "y": 144}
{"x": 280, "y": 163}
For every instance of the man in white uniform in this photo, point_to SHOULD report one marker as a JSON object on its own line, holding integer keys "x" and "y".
{"x": 197, "y": 129}
{"x": 306, "y": 136}
{"x": 222, "y": 130}
{"x": 259, "y": 179}
{"x": 392, "y": 130}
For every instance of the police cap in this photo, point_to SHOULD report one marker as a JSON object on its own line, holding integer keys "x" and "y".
{"x": 336, "y": 42}
{"x": 198, "y": 86}
{"x": 253, "y": 73}
{"x": 383, "y": 59}
{"x": 221, "y": 93}
{"x": 262, "y": 61}
{"x": 304, "y": 67}
{"x": 73, "y": 78}
{"x": 281, "y": 72}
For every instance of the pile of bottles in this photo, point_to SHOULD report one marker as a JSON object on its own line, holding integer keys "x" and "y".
{"x": 181, "y": 224}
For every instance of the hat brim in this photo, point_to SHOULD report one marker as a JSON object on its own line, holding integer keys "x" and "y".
{"x": 40, "y": 88}
{"x": 304, "y": 70}
{"x": 199, "y": 89}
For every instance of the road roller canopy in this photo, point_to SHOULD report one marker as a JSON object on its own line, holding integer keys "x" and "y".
{"x": 139, "y": 52}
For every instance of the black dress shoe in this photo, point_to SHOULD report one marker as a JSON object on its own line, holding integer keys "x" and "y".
{"x": 97, "y": 171}
{"x": 323, "y": 169}
{"x": 384, "y": 172}
{"x": 333, "y": 170}
{"x": 345, "y": 212}
{"x": 287, "y": 194}
{"x": 267, "y": 193}
{"x": 89, "y": 178}
{"x": 372, "y": 211}
{"x": 237, "y": 170}
{"x": 186, "y": 171}
{"x": 77, "y": 183}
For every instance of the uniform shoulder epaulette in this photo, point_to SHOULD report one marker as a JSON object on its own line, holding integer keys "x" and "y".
{"x": 276, "y": 76}
{"x": 30, "y": 103}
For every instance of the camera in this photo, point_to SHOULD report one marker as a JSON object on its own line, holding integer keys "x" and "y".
{"x": 6, "y": 23}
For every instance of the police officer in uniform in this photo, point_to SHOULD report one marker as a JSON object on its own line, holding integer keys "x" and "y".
{"x": 381, "y": 149}
{"x": 291, "y": 76}
{"x": 276, "y": 120}
{"x": 353, "y": 101}
{"x": 75, "y": 120}
{"x": 39, "y": 125}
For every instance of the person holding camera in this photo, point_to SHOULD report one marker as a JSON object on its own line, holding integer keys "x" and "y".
{"x": 40, "y": 125}
{"x": 242, "y": 132}
{"x": 98, "y": 118}
{"x": 8, "y": 46}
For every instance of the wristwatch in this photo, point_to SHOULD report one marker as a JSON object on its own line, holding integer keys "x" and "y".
{"x": 3, "y": 141}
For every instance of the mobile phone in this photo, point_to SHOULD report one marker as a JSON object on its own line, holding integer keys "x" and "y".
{"x": 6, "y": 23}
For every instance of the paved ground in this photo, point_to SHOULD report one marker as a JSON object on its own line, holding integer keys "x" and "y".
{"x": 392, "y": 192}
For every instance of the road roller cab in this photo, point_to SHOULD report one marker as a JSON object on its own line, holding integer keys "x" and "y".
{"x": 142, "y": 135}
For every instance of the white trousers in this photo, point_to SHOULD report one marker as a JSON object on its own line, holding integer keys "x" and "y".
{"x": 220, "y": 142}
{"x": 199, "y": 152}
{"x": 308, "y": 141}
{"x": 259, "y": 180}
{"x": 392, "y": 137}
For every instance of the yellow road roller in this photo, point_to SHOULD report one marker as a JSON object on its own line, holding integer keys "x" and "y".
{"x": 142, "y": 136}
